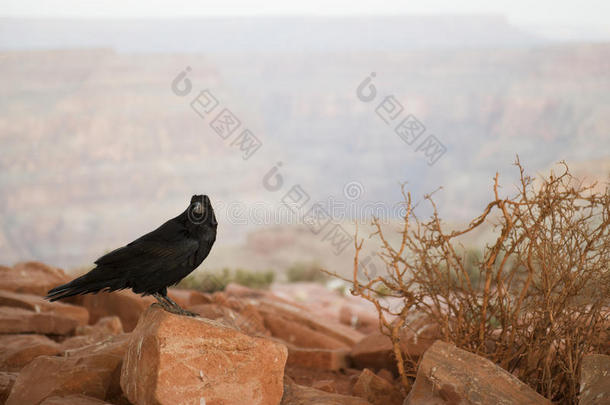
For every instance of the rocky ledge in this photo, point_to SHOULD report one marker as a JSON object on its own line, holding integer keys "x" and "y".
{"x": 298, "y": 344}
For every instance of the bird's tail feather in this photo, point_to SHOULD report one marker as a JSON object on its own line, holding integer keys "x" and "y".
{"x": 84, "y": 284}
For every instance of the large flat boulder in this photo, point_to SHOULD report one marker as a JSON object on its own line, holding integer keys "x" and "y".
{"x": 18, "y": 320}
{"x": 448, "y": 375}
{"x": 295, "y": 333}
{"x": 175, "y": 359}
{"x": 31, "y": 278}
{"x": 37, "y": 303}
{"x": 93, "y": 371}
{"x": 16, "y": 351}
{"x": 278, "y": 315}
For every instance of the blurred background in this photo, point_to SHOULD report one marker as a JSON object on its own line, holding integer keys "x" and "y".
{"x": 114, "y": 113}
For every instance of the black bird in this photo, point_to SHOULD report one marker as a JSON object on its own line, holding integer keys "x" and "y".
{"x": 155, "y": 261}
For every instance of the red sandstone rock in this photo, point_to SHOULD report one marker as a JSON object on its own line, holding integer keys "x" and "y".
{"x": 18, "y": 320}
{"x": 73, "y": 400}
{"x": 325, "y": 385}
{"x": 595, "y": 380}
{"x": 418, "y": 334}
{"x": 334, "y": 330}
{"x": 248, "y": 321}
{"x": 362, "y": 320}
{"x": 92, "y": 370}
{"x": 318, "y": 358}
{"x": 31, "y": 277}
{"x": 375, "y": 351}
{"x": 91, "y": 334}
{"x": 109, "y": 325}
{"x": 386, "y": 375}
{"x": 124, "y": 304}
{"x": 16, "y": 351}
{"x": 38, "y": 304}
{"x": 297, "y": 334}
{"x": 295, "y": 394}
{"x": 7, "y": 380}
{"x": 376, "y": 390}
{"x": 251, "y": 321}
{"x": 175, "y": 359}
{"x": 448, "y": 375}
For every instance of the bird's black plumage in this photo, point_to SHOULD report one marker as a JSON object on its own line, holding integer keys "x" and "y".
{"x": 155, "y": 261}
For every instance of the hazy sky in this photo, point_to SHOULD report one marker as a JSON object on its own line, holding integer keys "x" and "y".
{"x": 564, "y": 19}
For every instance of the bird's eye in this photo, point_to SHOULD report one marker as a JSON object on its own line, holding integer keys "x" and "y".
{"x": 198, "y": 208}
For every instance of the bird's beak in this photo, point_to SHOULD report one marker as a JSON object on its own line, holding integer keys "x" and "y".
{"x": 198, "y": 208}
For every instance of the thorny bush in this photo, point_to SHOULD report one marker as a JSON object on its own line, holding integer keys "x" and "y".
{"x": 536, "y": 299}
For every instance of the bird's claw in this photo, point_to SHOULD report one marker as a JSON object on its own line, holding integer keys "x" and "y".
{"x": 176, "y": 310}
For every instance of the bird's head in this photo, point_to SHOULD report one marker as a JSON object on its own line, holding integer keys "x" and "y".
{"x": 200, "y": 211}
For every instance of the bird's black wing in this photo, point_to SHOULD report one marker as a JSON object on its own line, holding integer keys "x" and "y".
{"x": 165, "y": 246}
{"x": 144, "y": 265}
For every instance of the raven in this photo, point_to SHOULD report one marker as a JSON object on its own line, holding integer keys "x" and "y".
{"x": 151, "y": 263}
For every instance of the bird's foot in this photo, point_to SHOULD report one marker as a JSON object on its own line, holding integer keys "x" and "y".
{"x": 164, "y": 306}
{"x": 177, "y": 310}
{"x": 187, "y": 313}
{"x": 171, "y": 306}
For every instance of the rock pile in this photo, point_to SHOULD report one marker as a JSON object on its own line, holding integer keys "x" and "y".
{"x": 297, "y": 344}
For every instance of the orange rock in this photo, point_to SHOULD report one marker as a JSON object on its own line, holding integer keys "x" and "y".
{"x": 92, "y": 370}
{"x": 252, "y": 322}
{"x": 318, "y": 358}
{"x": 18, "y": 320}
{"x": 7, "y": 380}
{"x": 338, "y": 332}
{"x": 90, "y": 334}
{"x": 108, "y": 325}
{"x": 325, "y": 385}
{"x": 386, "y": 375}
{"x": 375, "y": 352}
{"x": 38, "y": 304}
{"x": 295, "y": 394}
{"x": 248, "y": 322}
{"x": 448, "y": 375}
{"x": 175, "y": 359}
{"x": 298, "y": 334}
{"x": 16, "y": 351}
{"x": 73, "y": 400}
{"x": 376, "y": 390}
{"x": 31, "y": 277}
{"x": 358, "y": 318}
{"x": 124, "y": 304}
{"x": 419, "y": 333}
{"x": 595, "y": 380}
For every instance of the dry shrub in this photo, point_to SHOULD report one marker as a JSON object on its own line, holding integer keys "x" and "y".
{"x": 535, "y": 301}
